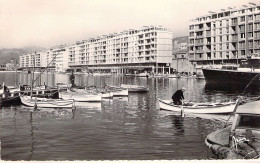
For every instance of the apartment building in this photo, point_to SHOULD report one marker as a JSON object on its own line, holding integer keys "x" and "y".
{"x": 227, "y": 36}
{"x": 149, "y": 48}
{"x": 37, "y": 60}
{"x": 60, "y": 57}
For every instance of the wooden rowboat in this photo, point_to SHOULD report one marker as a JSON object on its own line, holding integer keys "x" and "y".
{"x": 46, "y": 103}
{"x": 199, "y": 108}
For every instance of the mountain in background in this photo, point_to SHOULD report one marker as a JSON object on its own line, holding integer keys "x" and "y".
{"x": 7, "y": 54}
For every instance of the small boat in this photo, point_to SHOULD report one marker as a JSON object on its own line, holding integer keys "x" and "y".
{"x": 80, "y": 97}
{"x": 143, "y": 74}
{"x": 46, "y": 103}
{"x": 120, "y": 92}
{"x": 189, "y": 76}
{"x": 117, "y": 91}
{"x": 241, "y": 139}
{"x": 244, "y": 133}
{"x": 94, "y": 90}
{"x": 173, "y": 76}
{"x": 135, "y": 88}
{"x": 199, "y": 108}
{"x": 9, "y": 96}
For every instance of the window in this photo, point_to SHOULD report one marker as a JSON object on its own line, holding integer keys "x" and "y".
{"x": 250, "y": 17}
{"x": 249, "y": 121}
{"x": 242, "y": 19}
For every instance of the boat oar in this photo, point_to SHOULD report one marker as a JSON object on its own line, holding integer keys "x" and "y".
{"x": 35, "y": 105}
{"x": 182, "y": 110}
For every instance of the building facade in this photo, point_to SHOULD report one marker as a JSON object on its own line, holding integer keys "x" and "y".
{"x": 149, "y": 48}
{"x": 228, "y": 36}
{"x": 37, "y": 60}
{"x": 145, "y": 49}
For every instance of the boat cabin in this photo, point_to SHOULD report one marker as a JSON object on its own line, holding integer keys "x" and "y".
{"x": 246, "y": 124}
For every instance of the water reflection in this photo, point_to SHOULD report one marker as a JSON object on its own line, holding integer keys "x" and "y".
{"x": 128, "y": 128}
{"x": 177, "y": 122}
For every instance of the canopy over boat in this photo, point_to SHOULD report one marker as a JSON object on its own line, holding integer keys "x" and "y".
{"x": 199, "y": 108}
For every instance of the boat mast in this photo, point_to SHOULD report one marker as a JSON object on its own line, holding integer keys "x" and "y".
{"x": 237, "y": 58}
{"x": 33, "y": 74}
{"x": 15, "y": 83}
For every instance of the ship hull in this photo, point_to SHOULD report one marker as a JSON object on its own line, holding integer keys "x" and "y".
{"x": 227, "y": 77}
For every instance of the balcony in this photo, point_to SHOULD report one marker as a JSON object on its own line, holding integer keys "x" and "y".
{"x": 200, "y": 36}
{"x": 208, "y": 50}
{"x": 241, "y": 48}
{"x": 257, "y": 46}
{"x": 199, "y": 29}
{"x": 257, "y": 37}
{"x": 250, "y": 30}
{"x": 199, "y": 44}
{"x": 199, "y": 51}
{"x": 257, "y": 20}
{"x": 242, "y": 30}
{"x": 257, "y": 29}
{"x": 250, "y": 47}
{"x": 234, "y": 39}
{"x": 233, "y": 23}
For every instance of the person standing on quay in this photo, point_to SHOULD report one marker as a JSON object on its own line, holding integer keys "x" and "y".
{"x": 72, "y": 79}
{"x": 177, "y": 97}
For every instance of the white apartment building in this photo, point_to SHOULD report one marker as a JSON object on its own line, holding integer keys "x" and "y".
{"x": 37, "y": 60}
{"x": 227, "y": 36}
{"x": 149, "y": 48}
{"x": 61, "y": 58}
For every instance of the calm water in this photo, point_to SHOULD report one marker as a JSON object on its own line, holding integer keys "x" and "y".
{"x": 128, "y": 128}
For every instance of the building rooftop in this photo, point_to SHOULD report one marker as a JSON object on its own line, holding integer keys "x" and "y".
{"x": 229, "y": 9}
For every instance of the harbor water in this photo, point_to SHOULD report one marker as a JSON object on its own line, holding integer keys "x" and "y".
{"x": 122, "y": 128}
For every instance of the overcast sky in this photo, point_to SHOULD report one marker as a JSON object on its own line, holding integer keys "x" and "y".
{"x": 48, "y": 23}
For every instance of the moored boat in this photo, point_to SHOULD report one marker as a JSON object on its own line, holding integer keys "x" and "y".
{"x": 120, "y": 92}
{"x": 173, "y": 76}
{"x": 46, "y": 103}
{"x": 80, "y": 97}
{"x": 117, "y": 91}
{"x": 241, "y": 140}
{"x": 135, "y": 88}
{"x": 247, "y": 73}
{"x": 199, "y": 108}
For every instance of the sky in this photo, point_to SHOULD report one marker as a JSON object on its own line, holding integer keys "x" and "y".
{"x": 48, "y": 23}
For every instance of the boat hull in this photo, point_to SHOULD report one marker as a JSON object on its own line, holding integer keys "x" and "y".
{"x": 135, "y": 88}
{"x": 81, "y": 97}
{"x": 46, "y": 103}
{"x": 224, "y": 77}
{"x": 123, "y": 92}
{"x": 226, "y": 108}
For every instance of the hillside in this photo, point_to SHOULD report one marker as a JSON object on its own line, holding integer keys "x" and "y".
{"x": 177, "y": 40}
{"x": 7, "y": 54}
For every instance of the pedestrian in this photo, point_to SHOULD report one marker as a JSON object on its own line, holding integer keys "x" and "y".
{"x": 72, "y": 79}
{"x": 177, "y": 97}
